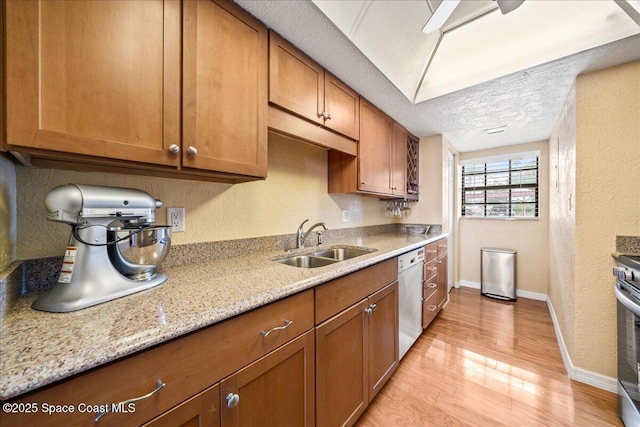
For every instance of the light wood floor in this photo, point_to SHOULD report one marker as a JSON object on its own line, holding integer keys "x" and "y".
{"x": 484, "y": 362}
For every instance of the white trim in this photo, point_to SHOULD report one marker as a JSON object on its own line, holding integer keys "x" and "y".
{"x": 577, "y": 374}
{"x": 519, "y": 293}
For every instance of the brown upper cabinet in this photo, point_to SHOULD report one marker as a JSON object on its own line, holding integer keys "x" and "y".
{"x": 381, "y": 165}
{"x": 99, "y": 83}
{"x": 301, "y": 86}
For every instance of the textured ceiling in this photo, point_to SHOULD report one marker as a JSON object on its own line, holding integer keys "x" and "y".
{"x": 527, "y": 101}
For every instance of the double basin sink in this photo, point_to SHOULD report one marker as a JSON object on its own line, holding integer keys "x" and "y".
{"x": 323, "y": 257}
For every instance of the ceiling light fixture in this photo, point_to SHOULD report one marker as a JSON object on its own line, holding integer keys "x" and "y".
{"x": 493, "y": 131}
{"x": 440, "y": 15}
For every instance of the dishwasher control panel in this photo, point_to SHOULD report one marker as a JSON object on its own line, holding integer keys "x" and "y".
{"x": 410, "y": 259}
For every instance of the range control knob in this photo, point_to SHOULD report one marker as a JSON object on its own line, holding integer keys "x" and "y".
{"x": 623, "y": 273}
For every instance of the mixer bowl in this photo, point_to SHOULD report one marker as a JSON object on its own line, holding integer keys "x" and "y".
{"x": 140, "y": 251}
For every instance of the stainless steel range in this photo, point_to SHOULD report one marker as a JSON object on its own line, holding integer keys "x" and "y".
{"x": 627, "y": 292}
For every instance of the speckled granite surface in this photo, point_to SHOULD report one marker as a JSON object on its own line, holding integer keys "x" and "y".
{"x": 39, "y": 348}
{"x": 629, "y": 245}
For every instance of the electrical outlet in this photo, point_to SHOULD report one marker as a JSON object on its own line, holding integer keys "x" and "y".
{"x": 345, "y": 215}
{"x": 176, "y": 219}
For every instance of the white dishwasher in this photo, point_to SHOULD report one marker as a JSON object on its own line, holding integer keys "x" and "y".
{"x": 410, "y": 269}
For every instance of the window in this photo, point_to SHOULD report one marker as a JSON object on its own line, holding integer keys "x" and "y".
{"x": 501, "y": 187}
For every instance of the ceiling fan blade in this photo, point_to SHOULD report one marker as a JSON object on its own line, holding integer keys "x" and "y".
{"x": 507, "y": 6}
{"x": 440, "y": 15}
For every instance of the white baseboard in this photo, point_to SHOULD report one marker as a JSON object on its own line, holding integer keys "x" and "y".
{"x": 519, "y": 293}
{"x": 578, "y": 374}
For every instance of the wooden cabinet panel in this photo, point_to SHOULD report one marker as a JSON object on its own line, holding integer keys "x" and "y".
{"x": 374, "y": 149}
{"x": 186, "y": 365}
{"x": 383, "y": 337}
{"x": 429, "y": 308}
{"x": 430, "y": 269}
{"x": 94, "y": 78}
{"x": 399, "y": 161}
{"x": 336, "y": 295}
{"x": 342, "y": 105}
{"x": 443, "y": 279}
{"x": 296, "y": 83}
{"x": 276, "y": 390}
{"x": 225, "y": 89}
{"x": 202, "y": 410}
{"x": 431, "y": 252}
{"x": 342, "y": 367}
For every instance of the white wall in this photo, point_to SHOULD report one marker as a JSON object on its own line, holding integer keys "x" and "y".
{"x": 530, "y": 238}
{"x": 7, "y": 212}
{"x": 296, "y": 189}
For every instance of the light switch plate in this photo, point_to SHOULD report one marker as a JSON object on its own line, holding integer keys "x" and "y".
{"x": 345, "y": 215}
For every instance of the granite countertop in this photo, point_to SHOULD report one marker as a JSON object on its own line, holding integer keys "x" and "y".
{"x": 40, "y": 348}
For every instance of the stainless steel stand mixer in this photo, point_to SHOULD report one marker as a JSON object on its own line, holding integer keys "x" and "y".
{"x": 114, "y": 250}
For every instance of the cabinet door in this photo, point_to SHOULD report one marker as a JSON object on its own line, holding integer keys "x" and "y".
{"x": 342, "y": 107}
{"x": 383, "y": 337}
{"x": 225, "y": 89}
{"x": 94, "y": 78}
{"x": 276, "y": 390}
{"x": 374, "y": 149}
{"x": 443, "y": 279}
{"x": 399, "y": 161}
{"x": 296, "y": 83}
{"x": 342, "y": 373}
{"x": 202, "y": 410}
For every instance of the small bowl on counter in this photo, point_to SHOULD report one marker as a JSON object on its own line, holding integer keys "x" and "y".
{"x": 418, "y": 229}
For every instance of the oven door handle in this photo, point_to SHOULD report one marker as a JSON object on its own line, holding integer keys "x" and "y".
{"x": 626, "y": 301}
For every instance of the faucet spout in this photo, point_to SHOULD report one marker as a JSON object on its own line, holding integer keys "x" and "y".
{"x": 302, "y": 236}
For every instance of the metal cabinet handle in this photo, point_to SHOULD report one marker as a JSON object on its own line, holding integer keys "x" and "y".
{"x": 363, "y": 182}
{"x": 432, "y": 268}
{"x": 325, "y": 116}
{"x": 159, "y": 386}
{"x": 439, "y": 262}
{"x": 192, "y": 150}
{"x": 373, "y": 307}
{"x": 232, "y": 400}
{"x": 368, "y": 310}
{"x": 287, "y": 323}
{"x": 433, "y": 307}
{"x": 174, "y": 148}
{"x": 431, "y": 251}
{"x": 432, "y": 285}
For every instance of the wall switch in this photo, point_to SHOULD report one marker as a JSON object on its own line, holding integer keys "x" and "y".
{"x": 345, "y": 215}
{"x": 176, "y": 219}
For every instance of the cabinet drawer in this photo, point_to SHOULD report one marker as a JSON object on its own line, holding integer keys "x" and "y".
{"x": 429, "y": 309}
{"x": 431, "y": 251}
{"x": 429, "y": 288}
{"x": 338, "y": 294}
{"x": 430, "y": 270}
{"x": 186, "y": 365}
{"x": 442, "y": 246}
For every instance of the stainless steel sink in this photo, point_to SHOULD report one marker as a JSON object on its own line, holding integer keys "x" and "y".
{"x": 341, "y": 254}
{"x": 323, "y": 258}
{"x": 307, "y": 261}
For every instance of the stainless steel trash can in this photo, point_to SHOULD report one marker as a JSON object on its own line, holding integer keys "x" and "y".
{"x": 498, "y": 273}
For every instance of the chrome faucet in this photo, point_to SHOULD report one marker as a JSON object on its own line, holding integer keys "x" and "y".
{"x": 302, "y": 236}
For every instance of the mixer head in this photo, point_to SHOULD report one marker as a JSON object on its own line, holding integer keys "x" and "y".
{"x": 76, "y": 204}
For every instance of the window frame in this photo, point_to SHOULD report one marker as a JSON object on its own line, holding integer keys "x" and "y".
{"x": 485, "y": 187}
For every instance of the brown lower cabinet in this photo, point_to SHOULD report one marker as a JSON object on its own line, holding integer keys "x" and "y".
{"x": 265, "y": 367}
{"x": 356, "y": 353}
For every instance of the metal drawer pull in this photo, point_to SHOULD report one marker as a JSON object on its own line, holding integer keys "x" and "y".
{"x": 232, "y": 400}
{"x": 431, "y": 251}
{"x": 159, "y": 386}
{"x": 287, "y": 323}
{"x": 368, "y": 310}
{"x": 433, "y": 307}
{"x": 432, "y": 268}
{"x": 373, "y": 307}
{"x": 432, "y": 285}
